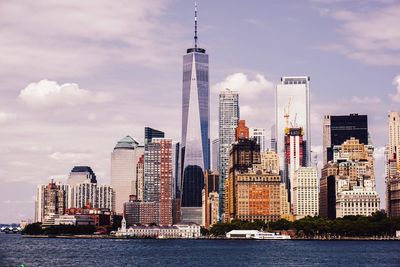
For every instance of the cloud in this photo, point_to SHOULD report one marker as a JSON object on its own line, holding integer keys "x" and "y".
{"x": 91, "y": 34}
{"x": 247, "y": 87}
{"x": 379, "y": 153}
{"x": 366, "y": 100}
{"x": 396, "y": 82}
{"x": 70, "y": 156}
{"x": 371, "y": 37}
{"x": 6, "y": 117}
{"x": 49, "y": 94}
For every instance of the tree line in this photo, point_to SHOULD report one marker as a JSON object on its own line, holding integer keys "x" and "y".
{"x": 378, "y": 224}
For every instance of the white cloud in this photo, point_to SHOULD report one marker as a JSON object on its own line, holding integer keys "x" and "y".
{"x": 49, "y": 94}
{"x": 379, "y": 153}
{"x": 371, "y": 37}
{"x": 70, "y": 156}
{"x": 396, "y": 82}
{"x": 246, "y": 86}
{"x": 6, "y": 117}
{"x": 366, "y": 100}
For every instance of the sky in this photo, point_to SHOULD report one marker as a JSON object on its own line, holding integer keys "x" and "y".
{"x": 77, "y": 76}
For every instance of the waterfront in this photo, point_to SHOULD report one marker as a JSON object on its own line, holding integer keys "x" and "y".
{"x": 16, "y": 250}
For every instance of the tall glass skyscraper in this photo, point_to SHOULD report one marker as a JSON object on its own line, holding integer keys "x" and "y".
{"x": 228, "y": 121}
{"x": 292, "y": 109}
{"x": 195, "y": 126}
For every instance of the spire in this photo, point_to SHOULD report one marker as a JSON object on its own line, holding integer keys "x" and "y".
{"x": 195, "y": 24}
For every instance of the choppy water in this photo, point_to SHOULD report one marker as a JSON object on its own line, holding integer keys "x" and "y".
{"x": 16, "y": 250}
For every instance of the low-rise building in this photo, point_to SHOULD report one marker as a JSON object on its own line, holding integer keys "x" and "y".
{"x": 359, "y": 201}
{"x": 174, "y": 231}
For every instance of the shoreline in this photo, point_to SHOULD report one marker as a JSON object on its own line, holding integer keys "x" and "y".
{"x": 214, "y": 238}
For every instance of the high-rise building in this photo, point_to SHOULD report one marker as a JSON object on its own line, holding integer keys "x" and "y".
{"x": 305, "y": 193}
{"x": 81, "y": 174}
{"x": 138, "y": 212}
{"x": 347, "y": 185}
{"x": 215, "y": 155}
{"x": 242, "y": 131}
{"x": 50, "y": 200}
{"x": 243, "y": 155}
{"x": 124, "y": 159}
{"x": 195, "y": 128}
{"x": 158, "y": 178}
{"x": 259, "y": 135}
{"x": 273, "y": 138}
{"x": 295, "y": 157}
{"x": 106, "y": 197}
{"x": 338, "y": 129}
{"x": 392, "y": 166}
{"x": 150, "y": 133}
{"x": 140, "y": 178}
{"x": 292, "y": 109}
{"x": 84, "y": 195}
{"x": 270, "y": 162}
{"x": 210, "y": 204}
{"x": 253, "y": 195}
{"x": 228, "y": 122}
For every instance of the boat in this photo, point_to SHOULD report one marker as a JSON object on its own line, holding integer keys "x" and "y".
{"x": 270, "y": 236}
{"x": 255, "y": 234}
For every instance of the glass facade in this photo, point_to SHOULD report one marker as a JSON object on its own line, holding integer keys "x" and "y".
{"x": 195, "y": 125}
{"x": 292, "y": 110}
{"x": 228, "y": 121}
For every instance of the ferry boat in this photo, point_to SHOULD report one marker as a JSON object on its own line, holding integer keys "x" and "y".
{"x": 270, "y": 236}
{"x": 255, "y": 234}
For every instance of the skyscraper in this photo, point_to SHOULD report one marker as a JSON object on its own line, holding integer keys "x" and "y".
{"x": 294, "y": 156}
{"x": 259, "y": 135}
{"x": 228, "y": 121}
{"x": 50, "y": 200}
{"x": 124, "y": 159}
{"x": 338, "y": 129}
{"x": 392, "y": 166}
{"x": 150, "y": 133}
{"x": 158, "y": 178}
{"x": 305, "y": 193}
{"x": 81, "y": 174}
{"x": 292, "y": 109}
{"x": 215, "y": 155}
{"x": 195, "y": 128}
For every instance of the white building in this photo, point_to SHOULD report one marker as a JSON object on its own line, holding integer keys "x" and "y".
{"x": 259, "y": 135}
{"x": 187, "y": 231}
{"x": 124, "y": 159}
{"x": 292, "y": 99}
{"x": 359, "y": 201}
{"x": 81, "y": 174}
{"x": 215, "y": 155}
{"x": 305, "y": 195}
{"x": 228, "y": 119}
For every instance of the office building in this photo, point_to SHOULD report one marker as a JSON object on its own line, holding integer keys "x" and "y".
{"x": 347, "y": 185}
{"x": 338, "y": 129}
{"x": 305, "y": 193}
{"x": 259, "y": 135}
{"x": 210, "y": 212}
{"x": 195, "y": 156}
{"x": 140, "y": 213}
{"x": 292, "y": 109}
{"x": 150, "y": 133}
{"x": 215, "y": 155}
{"x": 124, "y": 159}
{"x": 253, "y": 196}
{"x": 392, "y": 166}
{"x": 228, "y": 122}
{"x": 81, "y": 174}
{"x": 295, "y": 150}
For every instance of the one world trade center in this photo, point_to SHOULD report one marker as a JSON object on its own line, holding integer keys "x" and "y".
{"x": 195, "y": 156}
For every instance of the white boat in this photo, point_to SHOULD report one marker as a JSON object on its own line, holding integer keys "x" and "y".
{"x": 270, "y": 236}
{"x": 254, "y": 234}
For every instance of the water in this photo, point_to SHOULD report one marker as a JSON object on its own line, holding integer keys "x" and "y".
{"x": 15, "y": 250}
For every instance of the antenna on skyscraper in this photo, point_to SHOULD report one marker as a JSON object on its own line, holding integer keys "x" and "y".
{"x": 195, "y": 24}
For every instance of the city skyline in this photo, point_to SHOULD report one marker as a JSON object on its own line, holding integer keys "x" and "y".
{"x": 79, "y": 124}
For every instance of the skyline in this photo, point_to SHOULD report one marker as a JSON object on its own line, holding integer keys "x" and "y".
{"x": 47, "y": 135}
